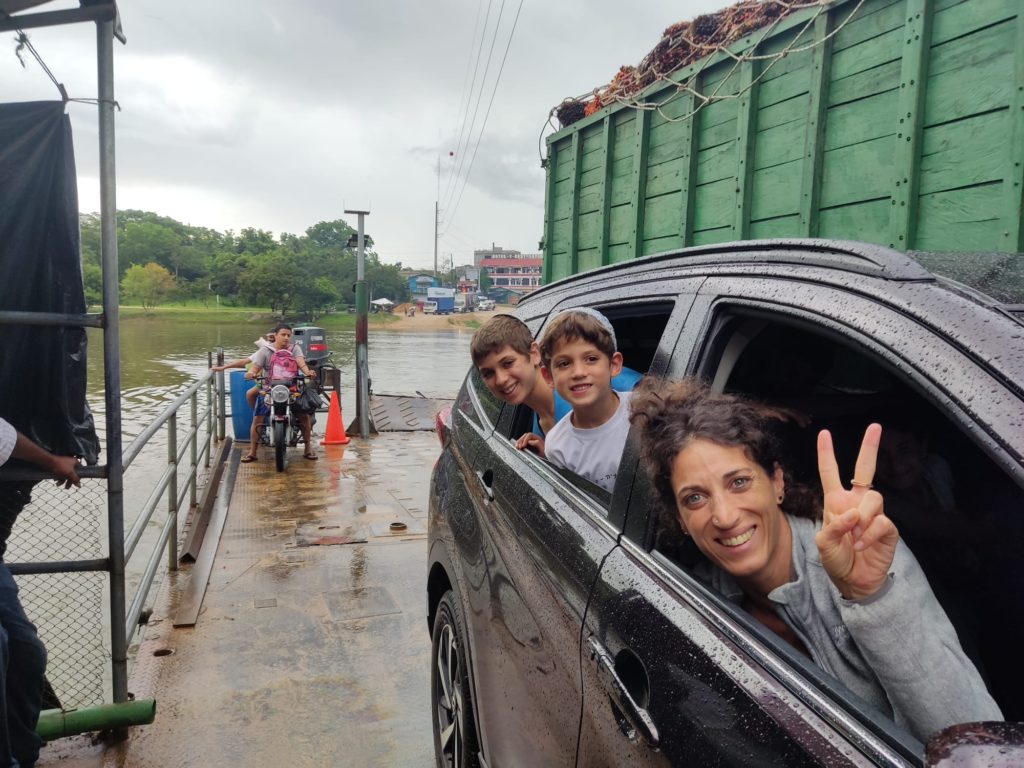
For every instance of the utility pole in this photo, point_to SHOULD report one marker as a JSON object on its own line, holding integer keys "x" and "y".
{"x": 437, "y": 212}
{"x": 362, "y": 312}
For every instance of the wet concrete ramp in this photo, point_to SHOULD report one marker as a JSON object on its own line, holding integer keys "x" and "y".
{"x": 405, "y": 413}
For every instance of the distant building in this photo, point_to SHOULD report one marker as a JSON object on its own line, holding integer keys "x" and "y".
{"x": 510, "y": 269}
{"x": 419, "y": 282}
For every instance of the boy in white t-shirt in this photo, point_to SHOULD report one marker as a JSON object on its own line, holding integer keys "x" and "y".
{"x": 580, "y": 359}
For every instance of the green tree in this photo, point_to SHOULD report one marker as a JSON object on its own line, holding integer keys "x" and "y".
{"x": 92, "y": 277}
{"x": 145, "y": 242}
{"x": 332, "y": 235}
{"x": 485, "y": 280}
{"x": 254, "y": 241}
{"x": 271, "y": 279}
{"x": 148, "y": 285}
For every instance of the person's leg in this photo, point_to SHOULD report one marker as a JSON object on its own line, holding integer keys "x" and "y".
{"x": 251, "y": 396}
{"x": 306, "y": 425}
{"x": 254, "y": 439}
{"x": 24, "y": 657}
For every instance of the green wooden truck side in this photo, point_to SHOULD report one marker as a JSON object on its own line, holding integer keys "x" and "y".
{"x": 903, "y": 125}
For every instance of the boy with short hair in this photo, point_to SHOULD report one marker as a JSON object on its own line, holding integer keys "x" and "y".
{"x": 506, "y": 356}
{"x": 580, "y": 359}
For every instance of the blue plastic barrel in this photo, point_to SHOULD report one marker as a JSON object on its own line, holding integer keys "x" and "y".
{"x": 241, "y": 413}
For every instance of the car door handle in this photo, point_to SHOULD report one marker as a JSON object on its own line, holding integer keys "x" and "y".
{"x": 486, "y": 478}
{"x": 637, "y": 716}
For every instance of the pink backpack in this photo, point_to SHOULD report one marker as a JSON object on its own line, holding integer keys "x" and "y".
{"x": 282, "y": 365}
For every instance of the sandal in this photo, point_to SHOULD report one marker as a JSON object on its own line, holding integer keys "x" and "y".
{"x": 310, "y": 456}
{"x": 248, "y": 458}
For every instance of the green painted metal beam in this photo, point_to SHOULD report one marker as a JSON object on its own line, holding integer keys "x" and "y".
{"x": 916, "y": 44}
{"x": 1015, "y": 180}
{"x": 817, "y": 117}
{"x": 639, "y": 196}
{"x": 746, "y": 116}
{"x": 56, "y": 724}
{"x": 549, "y": 213}
{"x": 572, "y": 248}
{"x": 690, "y": 151}
{"x": 607, "y": 137}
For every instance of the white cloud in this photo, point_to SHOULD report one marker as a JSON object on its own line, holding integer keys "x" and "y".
{"x": 277, "y": 116}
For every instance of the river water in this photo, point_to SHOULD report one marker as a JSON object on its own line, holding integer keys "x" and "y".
{"x": 159, "y": 359}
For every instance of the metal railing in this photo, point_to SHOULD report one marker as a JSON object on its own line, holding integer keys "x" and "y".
{"x": 190, "y": 426}
{"x": 167, "y": 484}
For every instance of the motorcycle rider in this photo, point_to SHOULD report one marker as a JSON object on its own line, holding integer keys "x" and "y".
{"x": 282, "y": 340}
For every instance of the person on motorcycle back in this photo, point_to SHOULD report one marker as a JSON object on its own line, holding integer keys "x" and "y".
{"x": 263, "y": 361}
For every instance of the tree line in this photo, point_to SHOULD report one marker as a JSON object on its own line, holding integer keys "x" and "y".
{"x": 161, "y": 259}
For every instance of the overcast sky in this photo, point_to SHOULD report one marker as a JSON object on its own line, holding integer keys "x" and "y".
{"x": 278, "y": 115}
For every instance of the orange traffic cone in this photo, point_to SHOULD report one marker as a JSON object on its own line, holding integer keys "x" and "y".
{"x": 335, "y": 427}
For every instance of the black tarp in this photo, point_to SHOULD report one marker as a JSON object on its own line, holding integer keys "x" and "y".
{"x": 42, "y": 369}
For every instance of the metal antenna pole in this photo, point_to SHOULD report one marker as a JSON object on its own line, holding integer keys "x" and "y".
{"x": 437, "y": 217}
{"x": 362, "y": 312}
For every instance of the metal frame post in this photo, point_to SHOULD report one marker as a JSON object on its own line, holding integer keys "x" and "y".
{"x": 362, "y": 311}
{"x": 112, "y": 359}
{"x": 172, "y": 492}
{"x": 220, "y": 395}
{"x": 193, "y": 449}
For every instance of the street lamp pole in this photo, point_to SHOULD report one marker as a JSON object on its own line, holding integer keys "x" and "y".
{"x": 362, "y": 311}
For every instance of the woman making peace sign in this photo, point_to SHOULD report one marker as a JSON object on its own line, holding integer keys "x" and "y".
{"x": 841, "y": 587}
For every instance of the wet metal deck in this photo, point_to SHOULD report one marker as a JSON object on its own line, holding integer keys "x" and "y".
{"x": 401, "y": 413}
{"x": 311, "y": 648}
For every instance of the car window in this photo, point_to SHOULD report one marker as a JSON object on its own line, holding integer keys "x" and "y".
{"x": 955, "y": 508}
{"x": 476, "y": 401}
{"x": 638, "y": 331}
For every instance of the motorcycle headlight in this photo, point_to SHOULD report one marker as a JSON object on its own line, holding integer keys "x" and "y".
{"x": 279, "y": 393}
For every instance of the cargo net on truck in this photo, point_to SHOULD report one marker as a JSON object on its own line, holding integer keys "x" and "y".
{"x": 687, "y": 42}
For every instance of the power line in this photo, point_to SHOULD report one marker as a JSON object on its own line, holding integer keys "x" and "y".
{"x": 488, "y": 113}
{"x": 466, "y": 95}
{"x": 479, "y": 98}
{"x": 469, "y": 98}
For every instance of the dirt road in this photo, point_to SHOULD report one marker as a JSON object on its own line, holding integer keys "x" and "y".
{"x": 422, "y": 322}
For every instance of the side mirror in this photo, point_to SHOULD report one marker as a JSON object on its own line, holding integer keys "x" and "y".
{"x": 994, "y": 745}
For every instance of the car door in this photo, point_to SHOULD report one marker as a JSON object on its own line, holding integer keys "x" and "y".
{"x": 544, "y": 537}
{"x": 683, "y": 677}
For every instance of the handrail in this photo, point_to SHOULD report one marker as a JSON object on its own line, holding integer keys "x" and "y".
{"x": 146, "y": 514}
{"x": 132, "y": 451}
{"x": 132, "y": 618}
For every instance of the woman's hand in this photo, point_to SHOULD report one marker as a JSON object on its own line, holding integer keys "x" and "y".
{"x": 533, "y": 442}
{"x": 857, "y": 541}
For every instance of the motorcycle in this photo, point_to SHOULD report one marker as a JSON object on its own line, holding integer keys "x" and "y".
{"x": 282, "y": 428}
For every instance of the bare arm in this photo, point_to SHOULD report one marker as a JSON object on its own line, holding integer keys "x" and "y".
{"x": 63, "y": 467}
{"x": 239, "y": 363}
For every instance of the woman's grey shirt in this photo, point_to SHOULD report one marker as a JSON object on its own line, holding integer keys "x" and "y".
{"x": 896, "y": 649}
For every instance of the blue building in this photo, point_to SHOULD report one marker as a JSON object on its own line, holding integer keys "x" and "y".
{"x": 419, "y": 283}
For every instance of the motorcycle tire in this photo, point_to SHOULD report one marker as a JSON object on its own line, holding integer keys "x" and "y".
{"x": 280, "y": 446}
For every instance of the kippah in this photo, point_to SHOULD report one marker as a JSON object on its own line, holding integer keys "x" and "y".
{"x": 601, "y": 319}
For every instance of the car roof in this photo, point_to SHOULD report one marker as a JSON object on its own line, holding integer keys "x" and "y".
{"x": 986, "y": 329}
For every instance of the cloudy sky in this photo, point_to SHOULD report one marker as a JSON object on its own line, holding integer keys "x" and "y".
{"x": 278, "y": 115}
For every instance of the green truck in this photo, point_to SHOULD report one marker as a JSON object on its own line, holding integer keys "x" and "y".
{"x": 898, "y": 122}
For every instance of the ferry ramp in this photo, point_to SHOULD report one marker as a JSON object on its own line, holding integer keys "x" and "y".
{"x": 311, "y": 645}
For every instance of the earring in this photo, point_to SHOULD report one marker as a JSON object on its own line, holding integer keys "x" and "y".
{"x": 781, "y": 497}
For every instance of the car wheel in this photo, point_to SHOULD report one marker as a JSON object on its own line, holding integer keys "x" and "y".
{"x": 455, "y": 744}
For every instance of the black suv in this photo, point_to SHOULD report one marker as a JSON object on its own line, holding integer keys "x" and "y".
{"x": 568, "y": 625}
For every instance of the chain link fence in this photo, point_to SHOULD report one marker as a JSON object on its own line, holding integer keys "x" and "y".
{"x": 69, "y": 609}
